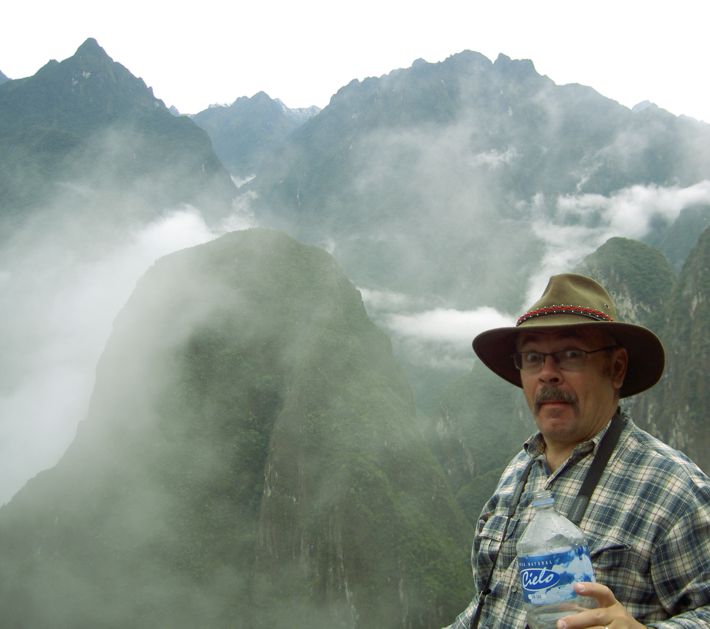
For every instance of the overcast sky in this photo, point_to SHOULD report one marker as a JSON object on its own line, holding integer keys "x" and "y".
{"x": 302, "y": 52}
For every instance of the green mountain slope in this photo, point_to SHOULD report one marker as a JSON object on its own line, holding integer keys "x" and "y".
{"x": 482, "y": 422}
{"x": 647, "y": 292}
{"x": 637, "y": 276}
{"x": 249, "y": 459}
{"x": 677, "y": 409}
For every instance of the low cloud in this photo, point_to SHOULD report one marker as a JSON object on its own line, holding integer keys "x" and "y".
{"x": 445, "y": 325}
{"x": 437, "y": 338}
{"x": 494, "y": 158}
{"x": 629, "y": 213}
{"x": 382, "y": 300}
{"x": 59, "y": 313}
{"x": 441, "y": 338}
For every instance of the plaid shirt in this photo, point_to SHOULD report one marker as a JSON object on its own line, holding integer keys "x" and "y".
{"x": 647, "y": 525}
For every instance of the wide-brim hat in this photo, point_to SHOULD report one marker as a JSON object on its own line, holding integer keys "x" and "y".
{"x": 572, "y": 300}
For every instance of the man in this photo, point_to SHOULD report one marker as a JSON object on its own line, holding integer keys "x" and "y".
{"x": 647, "y": 522}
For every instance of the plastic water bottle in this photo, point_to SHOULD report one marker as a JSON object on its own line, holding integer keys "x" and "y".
{"x": 552, "y": 555}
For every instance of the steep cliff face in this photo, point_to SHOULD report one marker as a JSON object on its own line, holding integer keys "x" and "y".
{"x": 638, "y": 278}
{"x": 482, "y": 422}
{"x": 679, "y": 411}
{"x": 647, "y": 292}
{"x": 249, "y": 460}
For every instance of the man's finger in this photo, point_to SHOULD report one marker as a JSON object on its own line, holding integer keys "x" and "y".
{"x": 603, "y": 595}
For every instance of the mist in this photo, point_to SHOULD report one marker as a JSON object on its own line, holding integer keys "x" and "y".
{"x": 580, "y": 224}
{"x": 59, "y": 298}
{"x": 440, "y": 337}
{"x": 244, "y": 406}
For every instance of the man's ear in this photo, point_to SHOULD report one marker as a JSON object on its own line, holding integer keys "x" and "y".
{"x": 619, "y": 364}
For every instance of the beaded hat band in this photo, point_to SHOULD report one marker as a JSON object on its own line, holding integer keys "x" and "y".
{"x": 564, "y": 309}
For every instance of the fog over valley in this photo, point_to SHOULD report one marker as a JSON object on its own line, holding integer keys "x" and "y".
{"x": 59, "y": 304}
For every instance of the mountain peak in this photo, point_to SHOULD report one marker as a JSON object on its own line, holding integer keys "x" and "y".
{"x": 90, "y": 45}
{"x": 86, "y": 97}
{"x": 469, "y": 58}
{"x": 92, "y": 80}
{"x": 249, "y": 129}
{"x": 91, "y": 56}
{"x": 517, "y": 67}
{"x": 644, "y": 104}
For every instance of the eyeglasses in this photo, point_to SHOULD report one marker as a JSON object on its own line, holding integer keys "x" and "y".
{"x": 572, "y": 359}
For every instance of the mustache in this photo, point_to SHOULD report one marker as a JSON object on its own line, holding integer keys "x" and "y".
{"x": 549, "y": 393}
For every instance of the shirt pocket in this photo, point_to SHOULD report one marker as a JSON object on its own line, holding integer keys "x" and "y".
{"x": 618, "y": 566}
{"x": 493, "y": 545}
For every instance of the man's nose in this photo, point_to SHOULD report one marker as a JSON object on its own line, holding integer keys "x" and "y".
{"x": 550, "y": 370}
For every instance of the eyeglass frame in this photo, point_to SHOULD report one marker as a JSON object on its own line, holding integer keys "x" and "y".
{"x": 517, "y": 357}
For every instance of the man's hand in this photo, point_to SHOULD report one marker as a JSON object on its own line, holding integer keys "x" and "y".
{"x": 610, "y": 614}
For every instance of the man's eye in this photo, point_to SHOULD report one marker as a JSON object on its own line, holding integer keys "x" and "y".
{"x": 573, "y": 354}
{"x": 533, "y": 358}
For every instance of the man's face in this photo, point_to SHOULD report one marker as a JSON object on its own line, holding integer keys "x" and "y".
{"x": 571, "y": 406}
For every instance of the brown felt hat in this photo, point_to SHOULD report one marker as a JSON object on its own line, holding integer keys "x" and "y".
{"x": 573, "y": 301}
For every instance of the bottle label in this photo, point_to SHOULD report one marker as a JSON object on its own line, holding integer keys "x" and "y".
{"x": 548, "y": 578}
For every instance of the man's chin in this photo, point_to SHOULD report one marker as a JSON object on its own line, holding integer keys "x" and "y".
{"x": 552, "y": 411}
{"x": 553, "y": 407}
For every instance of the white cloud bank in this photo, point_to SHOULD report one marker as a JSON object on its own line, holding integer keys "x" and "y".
{"x": 629, "y": 213}
{"x": 56, "y": 323}
{"x": 446, "y": 325}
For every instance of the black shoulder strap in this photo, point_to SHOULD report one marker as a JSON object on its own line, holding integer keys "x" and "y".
{"x": 604, "y": 450}
{"x": 517, "y": 494}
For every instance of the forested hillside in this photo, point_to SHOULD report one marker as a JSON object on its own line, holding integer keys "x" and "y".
{"x": 248, "y": 460}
